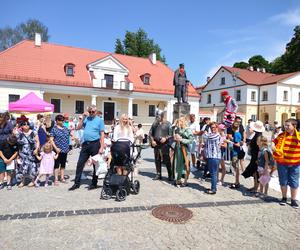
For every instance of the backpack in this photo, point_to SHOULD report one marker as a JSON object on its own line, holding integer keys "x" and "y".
{"x": 271, "y": 159}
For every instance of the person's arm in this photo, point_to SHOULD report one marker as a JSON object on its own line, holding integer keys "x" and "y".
{"x": 12, "y": 158}
{"x": 37, "y": 144}
{"x": 234, "y": 104}
{"x": 3, "y": 157}
{"x": 151, "y": 138}
{"x": 39, "y": 157}
{"x": 55, "y": 156}
{"x": 80, "y": 125}
{"x": 57, "y": 150}
{"x": 102, "y": 145}
{"x": 267, "y": 162}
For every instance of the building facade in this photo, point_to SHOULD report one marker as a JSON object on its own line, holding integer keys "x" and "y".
{"x": 74, "y": 78}
{"x": 260, "y": 96}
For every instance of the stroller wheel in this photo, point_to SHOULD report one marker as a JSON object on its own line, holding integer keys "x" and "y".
{"x": 136, "y": 187}
{"x": 106, "y": 193}
{"x": 121, "y": 194}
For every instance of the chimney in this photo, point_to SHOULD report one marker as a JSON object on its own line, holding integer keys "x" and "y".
{"x": 207, "y": 79}
{"x": 152, "y": 58}
{"x": 38, "y": 39}
{"x": 251, "y": 68}
{"x": 263, "y": 70}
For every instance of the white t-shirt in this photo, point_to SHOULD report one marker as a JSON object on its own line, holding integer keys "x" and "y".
{"x": 126, "y": 133}
{"x": 195, "y": 127}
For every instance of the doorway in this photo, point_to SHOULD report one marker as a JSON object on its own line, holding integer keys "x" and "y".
{"x": 109, "y": 112}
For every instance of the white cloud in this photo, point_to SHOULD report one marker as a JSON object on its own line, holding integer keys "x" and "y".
{"x": 291, "y": 17}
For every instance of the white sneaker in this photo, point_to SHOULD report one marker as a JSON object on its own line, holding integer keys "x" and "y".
{"x": 220, "y": 183}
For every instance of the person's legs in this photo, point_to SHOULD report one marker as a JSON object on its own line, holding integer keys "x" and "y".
{"x": 293, "y": 180}
{"x": 94, "y": 149}
{"x": 242, "y": 164}
{"x": 47, "y": 180}
{"x": 167, "y": 160}
{"x": 223, "y": 171}
{"x": 283, "y": 179}
{"x": 63, "y": 161}
{"x": 83, "y": 157}
{"x": 213, "y": 165}
{"x": 183, "y": 93}
{"x": 157, "y": 158}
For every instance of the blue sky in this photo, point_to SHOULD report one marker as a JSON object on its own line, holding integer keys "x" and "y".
{"x": 202, "y": 34}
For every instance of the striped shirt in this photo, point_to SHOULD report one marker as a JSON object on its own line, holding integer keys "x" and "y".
{"x": 291, "y": 149}
{"x": 212, "y": 147}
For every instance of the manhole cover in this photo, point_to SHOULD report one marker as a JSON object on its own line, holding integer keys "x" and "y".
{"x": 172, "y": 213}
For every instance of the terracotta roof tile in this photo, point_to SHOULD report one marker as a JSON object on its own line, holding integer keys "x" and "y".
{"x": 25, "y": 62}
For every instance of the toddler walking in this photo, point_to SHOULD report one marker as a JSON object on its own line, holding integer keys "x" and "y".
{"x": 47, "y": 158}
{"x": 264, "y": 163}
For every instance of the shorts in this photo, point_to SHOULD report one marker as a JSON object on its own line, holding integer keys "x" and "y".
{"x": 61, "y": 161}
{"x": 3, "y": 167}
{"x": 223, "y": 153}
{"x": 288, "y": 175}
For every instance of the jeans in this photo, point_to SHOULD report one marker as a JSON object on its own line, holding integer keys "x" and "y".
{"x": 213, "y": 166}
{"x": 88, "y": 149}
{"x": 288, "y": 175}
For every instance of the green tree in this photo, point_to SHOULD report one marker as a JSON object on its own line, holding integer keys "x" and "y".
{"x": 138, "y": 44}
{"x": 119, "y": 49}
{"x": 291, "y": 57}
{"x": 10, "y": 36}
{"x": 258, "y": 61}
{"x": 278, "y": 66}
{"x": 241, "y": 65}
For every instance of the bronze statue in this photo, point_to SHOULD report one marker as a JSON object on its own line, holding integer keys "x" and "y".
{"x": 180, "y": 82}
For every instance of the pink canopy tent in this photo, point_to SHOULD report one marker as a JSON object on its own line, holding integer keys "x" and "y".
{"x": 30, "y": 103}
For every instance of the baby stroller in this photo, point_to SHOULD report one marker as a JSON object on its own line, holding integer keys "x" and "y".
{"x": 122, "y": 152}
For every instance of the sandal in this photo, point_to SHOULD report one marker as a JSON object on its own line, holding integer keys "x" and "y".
{"x": 63, "y": 181}
{"x": 235, "y": 186}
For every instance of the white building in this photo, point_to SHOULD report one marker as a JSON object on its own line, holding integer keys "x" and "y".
{"x": 73, "y": 78}
{"x": 260, "y": 95}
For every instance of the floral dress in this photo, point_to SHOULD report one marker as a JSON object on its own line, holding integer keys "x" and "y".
{"x": 28, "y": 165}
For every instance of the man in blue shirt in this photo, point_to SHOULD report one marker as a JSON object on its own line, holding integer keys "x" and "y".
{"x": 93, "y": 137}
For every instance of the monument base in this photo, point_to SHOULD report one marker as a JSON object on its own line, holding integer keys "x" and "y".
{"x": 181, "y": 109}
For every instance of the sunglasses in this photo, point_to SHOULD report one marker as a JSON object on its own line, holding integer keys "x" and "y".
{"x": 92, "y": 112}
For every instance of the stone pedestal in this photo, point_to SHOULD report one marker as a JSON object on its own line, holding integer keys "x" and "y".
{"x": 180, "y": 109}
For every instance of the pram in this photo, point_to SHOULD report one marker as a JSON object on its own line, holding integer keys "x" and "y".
{"x": 122, "y": 152}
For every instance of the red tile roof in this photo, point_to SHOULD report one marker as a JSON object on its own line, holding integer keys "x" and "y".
{"x": 257, "y": 78}
{"x": 25, "y": 62}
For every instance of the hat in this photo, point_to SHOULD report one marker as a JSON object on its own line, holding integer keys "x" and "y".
{"x": 224, "y": 93}
{"x": 66, "y": 115}
{"x": 257, "y": 126}
{"x": 222, "y": 126}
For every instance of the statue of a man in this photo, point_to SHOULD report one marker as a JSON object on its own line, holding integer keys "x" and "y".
{"x": 180, "y": 82}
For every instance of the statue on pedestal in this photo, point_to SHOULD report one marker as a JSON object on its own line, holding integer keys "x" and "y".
{"x": 180, "y": 82}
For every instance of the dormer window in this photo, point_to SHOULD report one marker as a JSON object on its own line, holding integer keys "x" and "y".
{"x": 146, "y": 78}
{"x": 69, "y": 69}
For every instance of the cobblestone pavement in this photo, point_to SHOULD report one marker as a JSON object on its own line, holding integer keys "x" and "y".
{"x": 54, "y": 218}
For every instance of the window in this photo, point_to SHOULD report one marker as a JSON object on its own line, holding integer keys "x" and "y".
{"x": 151, "y": 110}
{"x": 222, "y": 80}
{"x": 109, "y": 81}
{"x": 146, "y": 79}
{"x": 253, "y": 118}
{"x": 134, "y": 110}
{"x": 208, "y": 98}
{"x": 253, "y": 96}
{"x": 265, "y": 96}
{"x": 285, "y": 95}
{"x": 69, "y": 69}
{"x": 238, "y": 95}
{"x": 79, "y": 107}
{"x": 13, "y": 98}
{"x": 56, "y": 103}
{"x": 298, "y": 96}
{"x": 221, "y": 98}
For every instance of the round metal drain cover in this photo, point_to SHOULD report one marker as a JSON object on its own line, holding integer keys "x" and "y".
{"x": 172, "y": 213}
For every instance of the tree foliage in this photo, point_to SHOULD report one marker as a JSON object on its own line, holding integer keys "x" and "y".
{"x": 10, "y": 36}
{"x": 138, "y": 44}
{"x": 241, "y": 65}
{"x": 286, "y": 63}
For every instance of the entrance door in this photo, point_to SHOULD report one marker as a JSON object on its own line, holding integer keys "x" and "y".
{"x": 109, "y": 112}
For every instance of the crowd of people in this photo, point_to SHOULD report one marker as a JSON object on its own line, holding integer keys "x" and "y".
{"x": 33, "y": 150}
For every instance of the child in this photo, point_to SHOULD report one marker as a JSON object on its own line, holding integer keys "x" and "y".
{"x": 264, "y": 162}
{"x": 47, "y": 158}
{"x": 8, "y": 153}
{"x": 223, "y": 145}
